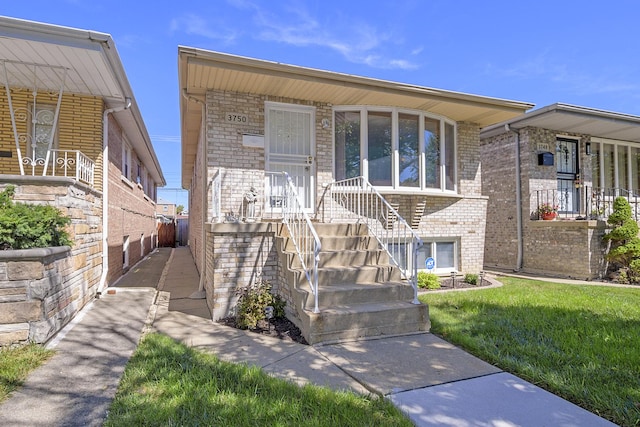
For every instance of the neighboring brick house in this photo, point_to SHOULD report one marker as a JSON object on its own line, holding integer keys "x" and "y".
{"x": 244, "y": 120}
{"x": 65, "y": 105}
{"x": 165, "y": 209}
{"x": 574, "y": 158}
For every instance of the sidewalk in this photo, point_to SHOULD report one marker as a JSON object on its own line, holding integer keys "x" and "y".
{"x": 432, "y": 381}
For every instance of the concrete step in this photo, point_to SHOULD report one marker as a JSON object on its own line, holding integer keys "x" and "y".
{"x": 345, "y": 258}
{"x": 343, "y": 275}
{"x": 365, "y": 320}
{"x": 354, "y": 293}
{"x": 338, "y": 229}
{"x": 338, "y": 243}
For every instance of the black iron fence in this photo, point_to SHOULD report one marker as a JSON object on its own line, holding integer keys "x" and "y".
{"x": 582, "y": 203}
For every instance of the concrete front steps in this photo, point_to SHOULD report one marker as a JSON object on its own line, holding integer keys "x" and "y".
{"x": 361, "y": 293}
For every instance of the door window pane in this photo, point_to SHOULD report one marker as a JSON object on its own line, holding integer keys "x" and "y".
{"x": 409, "y": 150}
{"x": 43, "y": 130}
{"x": 347, "y": 134}
{"x": 432, "y": 152}
{"x": 379, "y": 148}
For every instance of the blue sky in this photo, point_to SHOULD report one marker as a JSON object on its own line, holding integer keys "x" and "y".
{"x": 575, "y": 52}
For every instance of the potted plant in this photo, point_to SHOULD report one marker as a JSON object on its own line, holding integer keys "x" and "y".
{"x": 547, "y": 211}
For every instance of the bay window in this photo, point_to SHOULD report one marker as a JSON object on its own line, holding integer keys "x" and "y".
{"x": 398, "y": 149}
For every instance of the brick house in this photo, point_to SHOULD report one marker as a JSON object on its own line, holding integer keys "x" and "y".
{"x": 401, "y": 160}
{"x": 573, "y": 158}
{"x": 66, "y": 106}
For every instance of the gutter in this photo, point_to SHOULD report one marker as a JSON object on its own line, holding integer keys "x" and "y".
{"x": 105, "y": 191}
{"x": 519, "y": 226}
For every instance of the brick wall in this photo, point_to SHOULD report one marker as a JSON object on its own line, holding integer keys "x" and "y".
{"x": 239, "y": 255}
{"x": 79, "y": 127}
{"x": 39, "y": 293}
{"x": 131, "y": 213}
{"x": 564, "y": 248}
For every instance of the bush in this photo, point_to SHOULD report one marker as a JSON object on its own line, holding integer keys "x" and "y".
{"x": 25, "y": 226}
{"x": 428, "y": 280}
{"x": 253, "y": 301}
{"x": 471, "y": 279}
{"x": 625, "y": 244}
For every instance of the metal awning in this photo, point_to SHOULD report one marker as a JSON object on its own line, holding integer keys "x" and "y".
{"x": 573, "y": 119}
{"x": 92, "y": 66}
{"x": 202, "y": 70}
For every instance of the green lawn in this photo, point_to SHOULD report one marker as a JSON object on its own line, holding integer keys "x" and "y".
{"x": 17, "y": 363}
{"x": 580, "y": 342}
{"x": 166, "y": 383}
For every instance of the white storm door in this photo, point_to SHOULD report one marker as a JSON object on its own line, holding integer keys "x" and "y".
{"x": 290, "y": 147}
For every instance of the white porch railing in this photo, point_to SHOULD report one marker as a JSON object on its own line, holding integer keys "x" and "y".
{"x": 303, "y": 235}
{"x": 67, "y": 163}
{"x": 357, "y": 200}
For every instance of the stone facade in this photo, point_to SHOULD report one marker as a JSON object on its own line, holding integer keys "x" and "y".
{"x": 42, "y": 289}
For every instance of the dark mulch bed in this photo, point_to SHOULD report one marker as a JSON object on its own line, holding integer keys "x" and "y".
{"x": 448, "y": 284}
{"x": 281, "y": 328}
{"x": 284, "y": 329}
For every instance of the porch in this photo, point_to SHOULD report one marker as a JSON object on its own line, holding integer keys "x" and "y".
{"x": 347, "y": 271}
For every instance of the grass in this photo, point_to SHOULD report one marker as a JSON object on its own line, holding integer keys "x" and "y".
{"x": 167, "y": 383}
{"x": 579, "y": 342}
{"x": 17, "y": 363}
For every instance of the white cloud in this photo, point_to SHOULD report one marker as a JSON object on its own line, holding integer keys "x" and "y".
{"x": 357, "y": 42}
{"x": 193, "y": 24}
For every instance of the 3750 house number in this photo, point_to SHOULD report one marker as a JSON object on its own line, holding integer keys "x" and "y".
{"x": 237, "y": 118}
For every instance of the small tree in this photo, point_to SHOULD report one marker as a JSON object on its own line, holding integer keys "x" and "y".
{"x": 624, "y": 251}
{"x": 25, "y": 226}
{"x": 179, "y": 209}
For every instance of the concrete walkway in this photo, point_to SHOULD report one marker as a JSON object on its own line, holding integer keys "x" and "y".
{"x": 432, "y": 381}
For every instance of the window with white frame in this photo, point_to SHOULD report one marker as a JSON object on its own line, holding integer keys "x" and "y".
{"x": 615, "y": 165}
{"x": 126, "y": 161}
{"x": 444, "y": 253}
{"x": 400, "y": 149}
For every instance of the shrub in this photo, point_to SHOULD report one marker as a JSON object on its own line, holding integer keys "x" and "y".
{"x": 428, "y": 280}
{"x": 25, "y": 226}
{"x": 253, "y": 301}
{"x": 471, "y": 279}
{"x": 625, "y": 244}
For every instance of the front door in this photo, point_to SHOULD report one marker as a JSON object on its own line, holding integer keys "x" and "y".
{"x": 567, "y": 173}
{"x": 290, "y": 147}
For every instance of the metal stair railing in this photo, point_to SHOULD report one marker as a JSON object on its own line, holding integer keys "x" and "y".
{"x": 355, "y": 199}
{"x": 303, "y": 235}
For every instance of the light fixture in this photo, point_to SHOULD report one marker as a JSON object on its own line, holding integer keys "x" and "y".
{"x": 481, "y": 277}
{"x": 326, "y": 124}
{"x": 587, "y": 148}
{"x": 453, "y": 279}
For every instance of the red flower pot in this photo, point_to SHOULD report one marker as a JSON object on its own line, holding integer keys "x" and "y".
{"x": 548, "y": 216}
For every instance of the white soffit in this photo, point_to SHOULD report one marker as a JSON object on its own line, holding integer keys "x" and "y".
{"x": 202, "y": 70}
{"x": 47, "y": 49}
{"x": 574, "y": 119}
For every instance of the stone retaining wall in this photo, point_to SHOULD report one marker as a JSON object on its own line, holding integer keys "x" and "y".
{"x": 41, "y": 290}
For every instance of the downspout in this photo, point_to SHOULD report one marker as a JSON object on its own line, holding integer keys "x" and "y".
{"x": 519, "y": 230}
{"x": 105, "y": 190}
{"x": 201, "y": 293}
